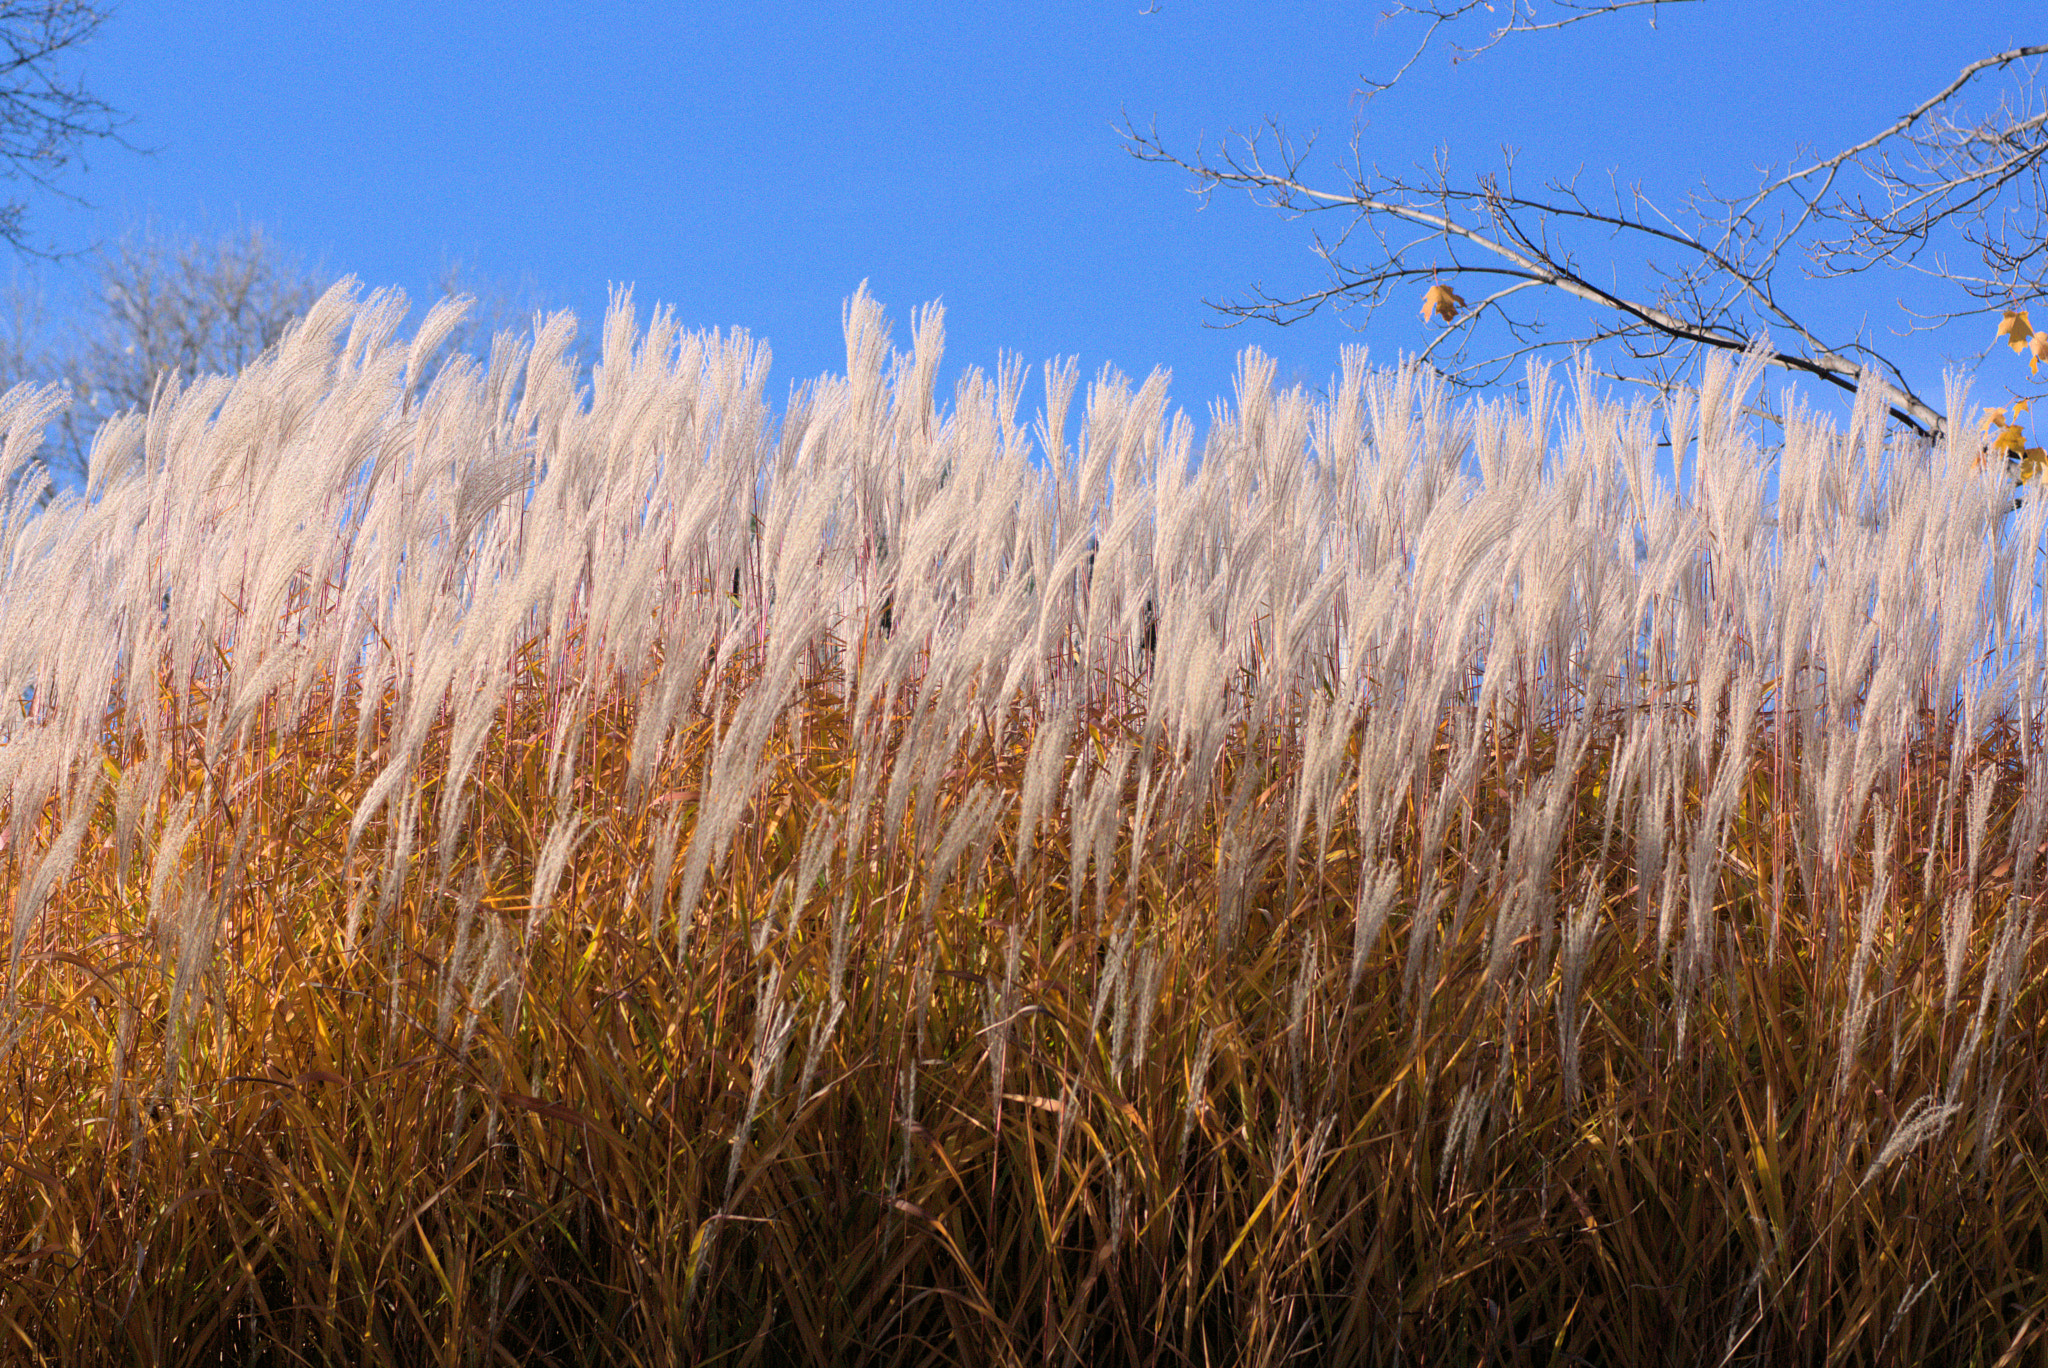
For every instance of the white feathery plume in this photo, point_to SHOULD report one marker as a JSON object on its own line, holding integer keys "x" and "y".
{"x": 973, "y": 824}
{"x": 41, "y": 874}
{"x": 1575, "y": 951}
{"x": 1874, "y": 903}
{"x": 563, "y": 835}
{"x": 1955, "y": 943}
{"x": 1092, "y": 822}
{"x": 1925, "y": 1120}
{"x": 1377, "y": 890}
{"x": 1043, "y": 769}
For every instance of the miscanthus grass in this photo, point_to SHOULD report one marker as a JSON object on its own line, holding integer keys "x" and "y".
{"x": 505, "y": 870}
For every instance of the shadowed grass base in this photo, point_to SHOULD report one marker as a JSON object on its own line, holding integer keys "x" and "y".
{"x": 947, "y": 1105}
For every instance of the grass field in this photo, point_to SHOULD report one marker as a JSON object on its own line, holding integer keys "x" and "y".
{"x": 505, "y": 873}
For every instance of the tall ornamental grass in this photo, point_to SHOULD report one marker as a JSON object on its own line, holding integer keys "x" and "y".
{"x": 501, "y": 870}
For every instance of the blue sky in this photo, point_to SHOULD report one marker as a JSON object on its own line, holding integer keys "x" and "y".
{"x": 751, "y": 164}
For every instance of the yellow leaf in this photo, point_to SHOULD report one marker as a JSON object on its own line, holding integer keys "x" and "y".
{"x": 2016, "y": 329}
{"x": 2010, "y": 440}
{"x": 1997, "y": 417}
{"x": 1440, "y": 300}
{"x": 2032, "y": 463}
{"x": 2037, "y": 351}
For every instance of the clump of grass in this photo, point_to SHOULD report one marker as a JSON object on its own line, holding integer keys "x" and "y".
{"x": 505, "y": 872}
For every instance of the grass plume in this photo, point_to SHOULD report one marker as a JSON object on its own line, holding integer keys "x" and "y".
{"x": 506, "y": 869}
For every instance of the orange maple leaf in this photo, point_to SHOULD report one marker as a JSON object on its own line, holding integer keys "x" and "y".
{"x": 1439, "y": 299}
{"x": 2011, "y": 441}
{"x": 2016, "y": 328}
{"x": 2037, "y": 351}
{"x": 1997, "y": 418}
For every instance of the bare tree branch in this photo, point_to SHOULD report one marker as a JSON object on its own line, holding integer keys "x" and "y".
{"x": 45, "y": 115}
{"x": 1957, "y": 173}
{"x": 1521, "y": 19}
{"x": 1709, "y": 268}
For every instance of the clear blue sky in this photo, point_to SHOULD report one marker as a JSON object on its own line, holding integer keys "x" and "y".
{"x": 752, "y": 163}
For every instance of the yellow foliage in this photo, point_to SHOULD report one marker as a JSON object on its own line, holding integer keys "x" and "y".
{"x": 1997, "y": 417}
{"x": 2018, "y": 331}
{"x": 1439, "y": 299}
{"x": 2016, "y": 328}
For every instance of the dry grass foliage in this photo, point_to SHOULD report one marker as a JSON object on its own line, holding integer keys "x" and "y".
{"x": 505, "y": 873}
